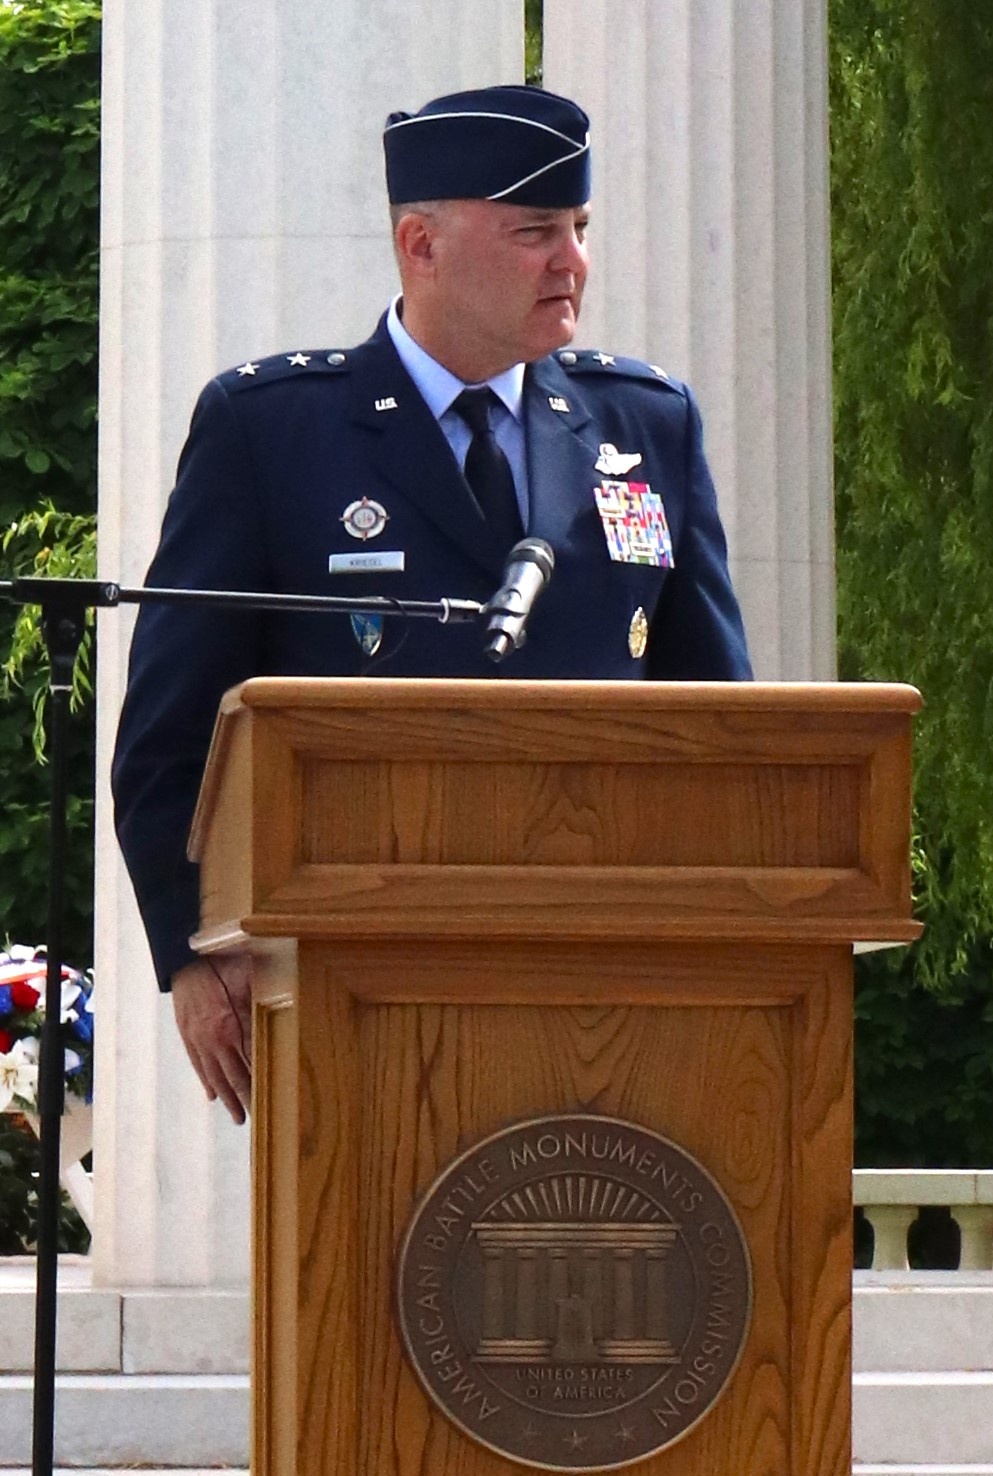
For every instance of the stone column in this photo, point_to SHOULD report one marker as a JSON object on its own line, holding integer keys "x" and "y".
{"x": 494, "y": 1260}
{"x": 623, "y": 1328}
{"x": 244, "y": 213}
{"x": 710, "y": 244}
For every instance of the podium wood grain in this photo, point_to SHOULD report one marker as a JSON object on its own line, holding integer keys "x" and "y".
{"x": 510, "y": 902}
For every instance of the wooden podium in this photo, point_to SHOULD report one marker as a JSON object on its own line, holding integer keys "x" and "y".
{"x": 479, "y": 903}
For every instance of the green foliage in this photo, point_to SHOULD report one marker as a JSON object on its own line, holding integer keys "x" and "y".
{"x": 19, "y": 1194}
{"x": 912, "y": 207}
{"x": 912, "y": 202}
{"x": 56, "y": 545}
{"x": 49, "y": 223}
{"x": 923, "y": 1065}
{"x": 533, "y": 22}
{"x": 49, "y": 204}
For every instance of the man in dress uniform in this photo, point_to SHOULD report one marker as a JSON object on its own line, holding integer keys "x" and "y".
{"x": 409, "y": 466}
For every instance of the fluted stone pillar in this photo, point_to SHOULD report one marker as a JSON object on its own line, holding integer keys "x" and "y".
{"x": 244, "y": 213}
{"x": 710, "y": 242}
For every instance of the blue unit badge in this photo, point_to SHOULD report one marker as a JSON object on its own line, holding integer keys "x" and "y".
{"x": 634, "y": 524}
{"x": 368, "y": 631}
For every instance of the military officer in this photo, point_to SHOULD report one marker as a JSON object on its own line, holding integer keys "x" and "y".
{"x": 409, "y": 465}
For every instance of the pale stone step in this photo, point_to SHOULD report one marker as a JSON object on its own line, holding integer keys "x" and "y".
{"x": 178, "y": 1330}
{"x": 915, "y": 1321}
{"x": 920, "y": 1418}
{"x": 944, "y": 1470}
{"x": 120, "y": 1420}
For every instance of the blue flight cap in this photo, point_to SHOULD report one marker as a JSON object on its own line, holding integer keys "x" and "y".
{"x": 521, "y": 145}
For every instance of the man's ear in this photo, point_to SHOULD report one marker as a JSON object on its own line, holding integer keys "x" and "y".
{"x": 414, "y": 239}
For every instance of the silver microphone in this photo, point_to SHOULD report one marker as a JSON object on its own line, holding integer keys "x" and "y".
{"x": 527, "y": 570}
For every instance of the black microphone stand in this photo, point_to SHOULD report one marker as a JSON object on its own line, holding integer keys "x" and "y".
{"x": 64, "y": 604}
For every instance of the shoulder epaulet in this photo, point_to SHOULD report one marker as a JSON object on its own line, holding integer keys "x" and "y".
{"x": 256, "y": 372}
{"x": 595, "y": 361}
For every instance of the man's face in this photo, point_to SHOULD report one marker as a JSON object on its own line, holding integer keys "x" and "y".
{"x": 505, "y": 286}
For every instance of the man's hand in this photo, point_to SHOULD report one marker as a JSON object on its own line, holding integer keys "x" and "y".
{"x": 212, "y": 999}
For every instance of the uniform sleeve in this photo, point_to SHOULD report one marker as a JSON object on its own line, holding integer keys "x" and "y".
{"x": 182, "y": 661}
{"x": 697, "y": 632}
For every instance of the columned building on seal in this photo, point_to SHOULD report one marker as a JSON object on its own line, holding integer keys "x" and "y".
{"x": 571, "y": 1292}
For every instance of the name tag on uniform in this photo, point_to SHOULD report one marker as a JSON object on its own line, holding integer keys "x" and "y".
{"x": 634, "y": 524}
{"x": 383, "y": 561}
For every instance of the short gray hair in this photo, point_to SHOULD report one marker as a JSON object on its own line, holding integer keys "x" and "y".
{"x": 416, "y": 207}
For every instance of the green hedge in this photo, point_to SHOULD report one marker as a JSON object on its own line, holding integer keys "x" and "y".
{"x": 912, "y": 181}
{"x": 49, "y": 238}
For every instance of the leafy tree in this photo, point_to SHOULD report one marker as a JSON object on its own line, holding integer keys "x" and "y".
{"x": 912, "y": 204}
{"x": 912, "y": 199}
{"x": 533, "y": 24}
{"x": 49, "y": 238}
{"x": 49, "y": 224}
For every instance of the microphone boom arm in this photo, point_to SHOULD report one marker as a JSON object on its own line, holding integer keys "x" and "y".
{"x": 72, "y": 594}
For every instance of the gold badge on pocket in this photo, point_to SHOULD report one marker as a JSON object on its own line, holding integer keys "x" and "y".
{"x": 638, "y": 634}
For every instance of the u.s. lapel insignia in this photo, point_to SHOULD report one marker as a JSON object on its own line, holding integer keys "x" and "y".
{"x": 388, "y": 402}
{"x": 365, "y": 518}
{"x": 634, "y": 524}
{"x": 614, "y": 463}
{"x": 559, "y": 403}
{"x": 638, "y": 634}
{"x": 368, "y": 631}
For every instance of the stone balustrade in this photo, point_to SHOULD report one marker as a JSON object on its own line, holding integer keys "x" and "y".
{"x": 891, "y": 1200}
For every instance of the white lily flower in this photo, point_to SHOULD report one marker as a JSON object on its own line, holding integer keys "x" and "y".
{"x": 18, "y": 1077}
{"x": 70, "y": 993}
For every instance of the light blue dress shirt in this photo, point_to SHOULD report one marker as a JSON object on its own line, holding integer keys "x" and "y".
{"x": 440, "y": 388}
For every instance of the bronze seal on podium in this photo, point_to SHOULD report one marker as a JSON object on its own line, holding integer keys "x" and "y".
{"x": 574, "y": 1292}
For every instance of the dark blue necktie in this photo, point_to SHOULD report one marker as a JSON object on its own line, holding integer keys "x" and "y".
{"x": 487, "y": 469}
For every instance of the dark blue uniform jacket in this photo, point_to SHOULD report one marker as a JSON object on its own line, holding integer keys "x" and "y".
{"x": 273, "y": 460}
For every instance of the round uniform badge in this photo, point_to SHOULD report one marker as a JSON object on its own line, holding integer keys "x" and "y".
{"x": 638, "y": 634}
{"x": 365, "y": 518}
{"x": 574, "y": 1293}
